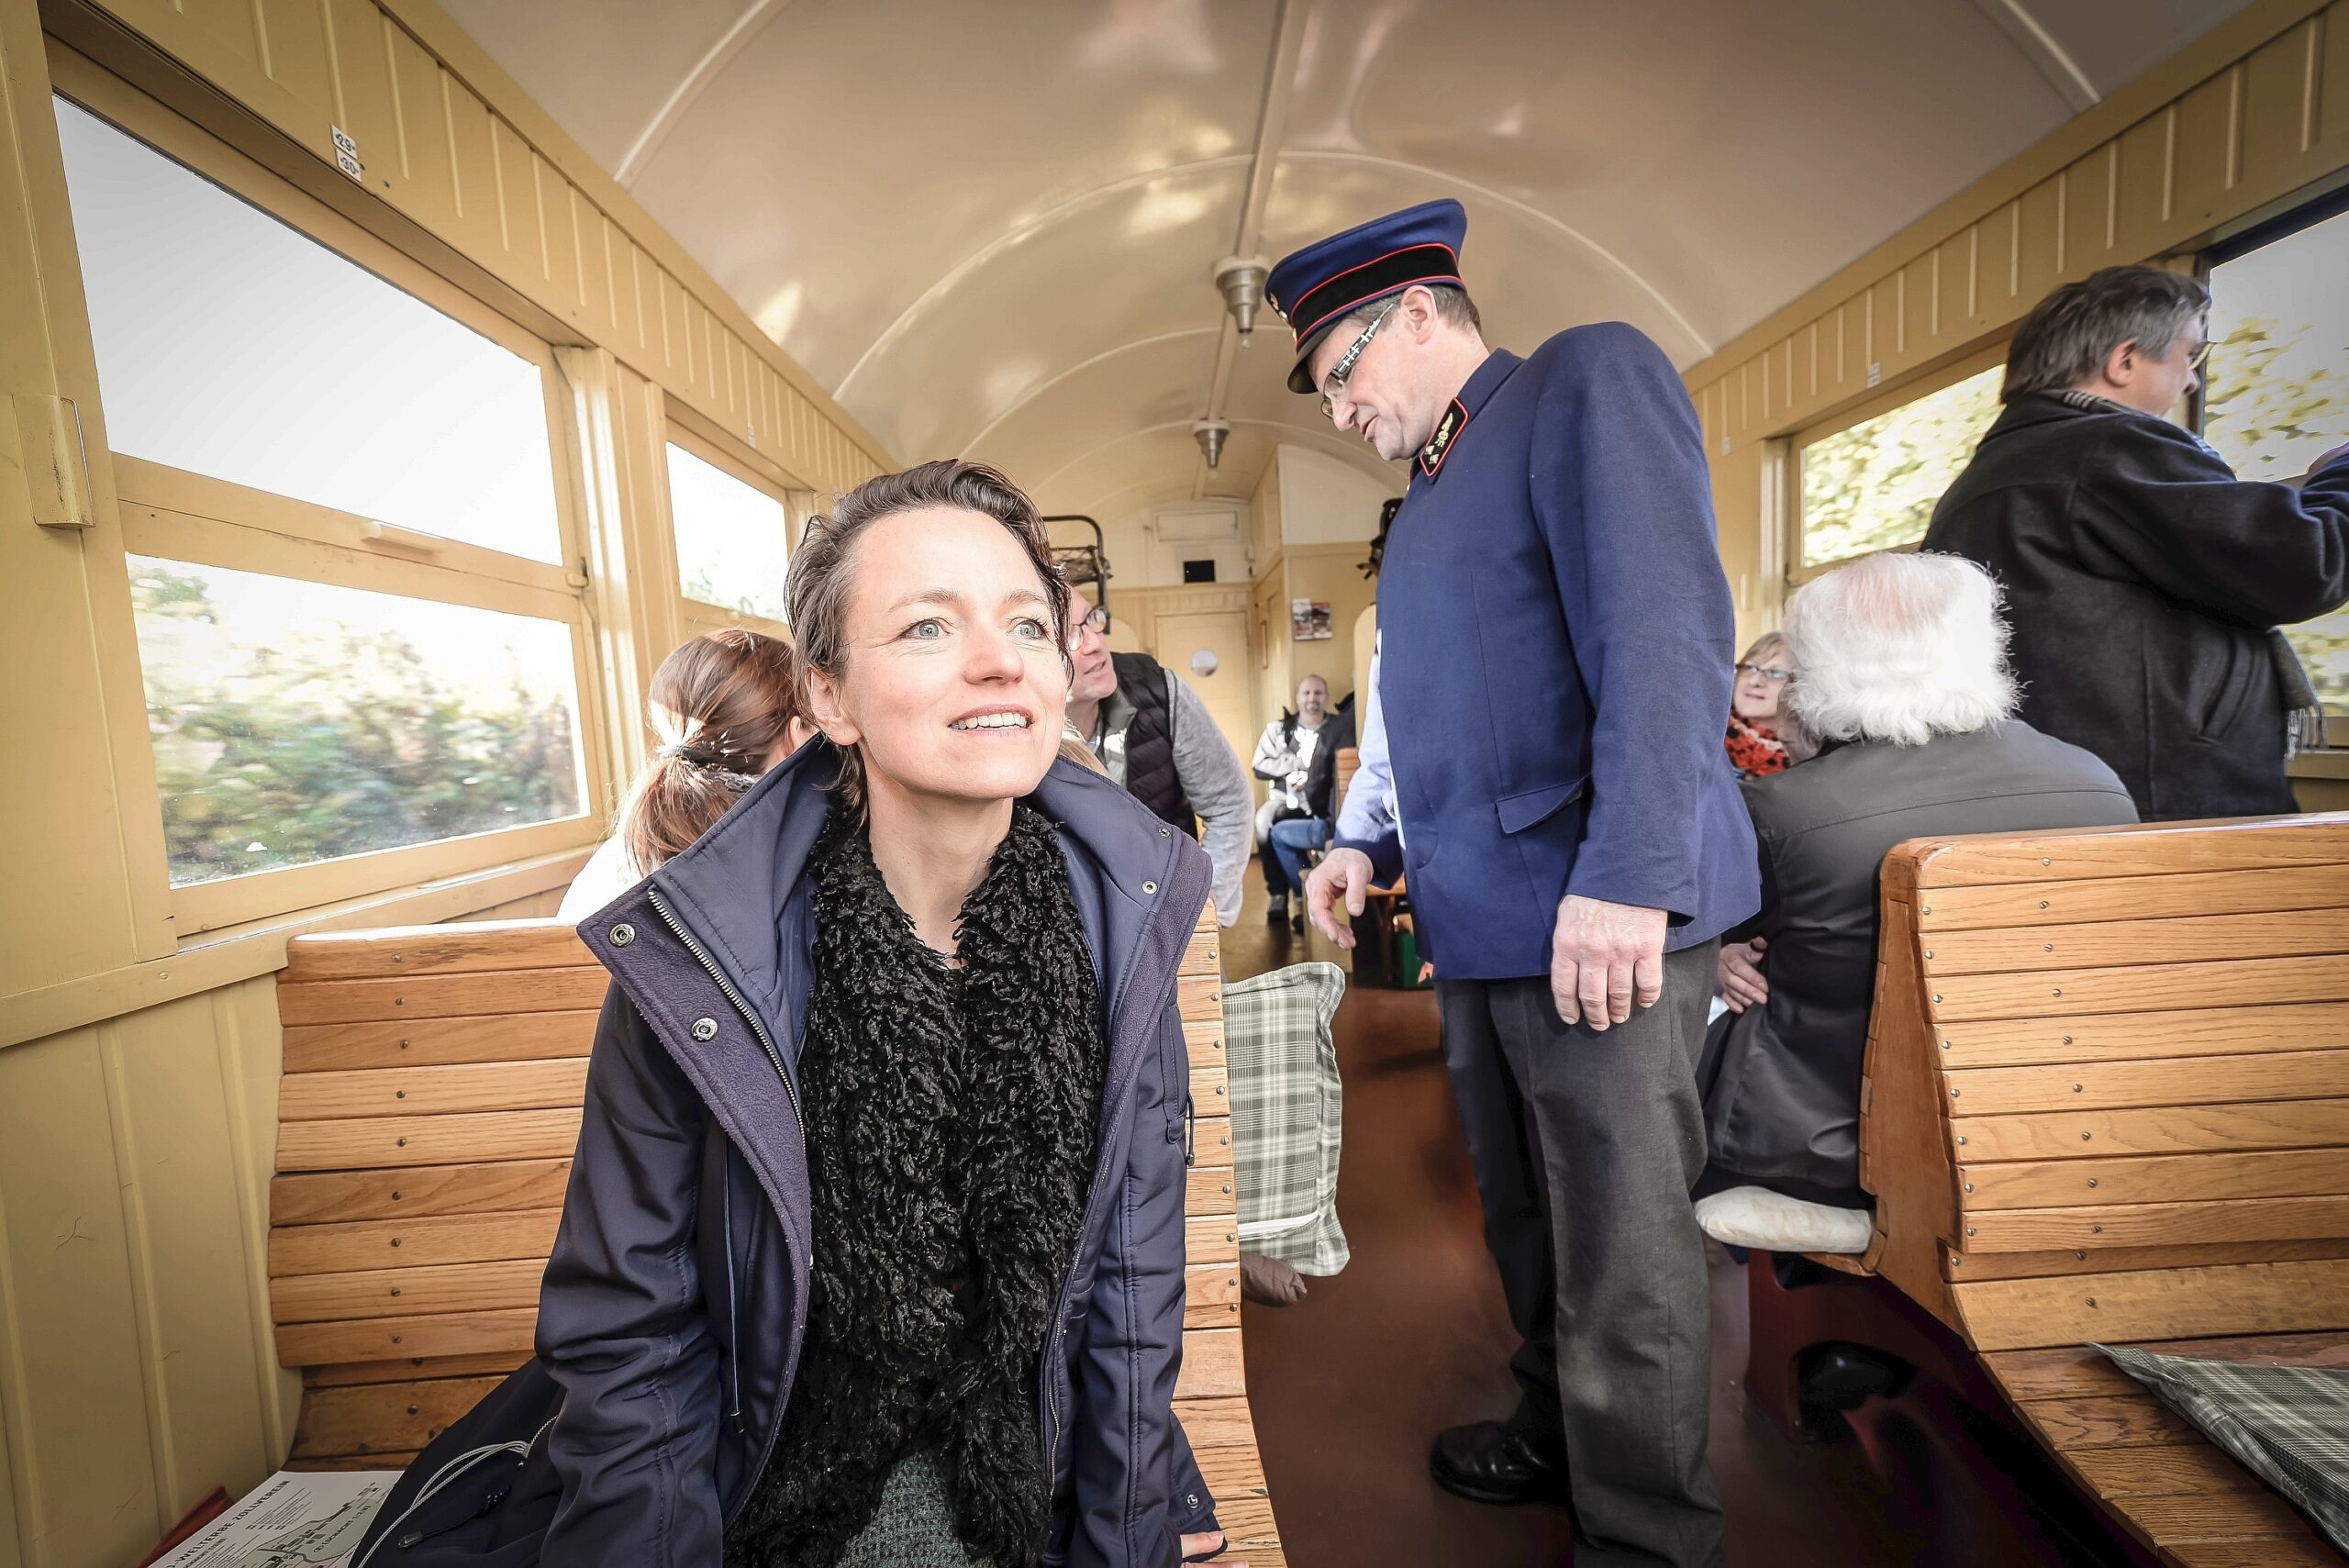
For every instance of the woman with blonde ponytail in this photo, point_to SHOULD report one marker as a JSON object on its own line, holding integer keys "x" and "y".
{"x": 726, "y": 707}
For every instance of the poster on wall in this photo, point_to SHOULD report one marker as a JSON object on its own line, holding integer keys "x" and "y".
{"x": 1310, "y": 620}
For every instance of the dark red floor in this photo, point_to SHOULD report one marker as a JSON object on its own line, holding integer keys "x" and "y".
{"x": 1348, "y": 1385}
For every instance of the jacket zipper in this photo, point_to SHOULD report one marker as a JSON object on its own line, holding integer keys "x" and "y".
{"x": 790, "y": 1093}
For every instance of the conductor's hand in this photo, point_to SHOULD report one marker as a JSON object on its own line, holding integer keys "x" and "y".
{"x": 1197, "y": 1548}
{"x": 1342, "y": 873}
{"x": 1603, "y": 958}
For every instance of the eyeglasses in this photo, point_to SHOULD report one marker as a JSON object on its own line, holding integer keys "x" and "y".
{"x": 1094, "y": 619}
{"x": 1765, "y": 672}
{"x": 1334, "y": 383}
{"x": 2201, "y": 357}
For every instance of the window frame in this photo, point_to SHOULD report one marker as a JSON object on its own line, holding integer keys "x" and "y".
{"x": 1883, "y": 400}
{"x": 721, "y": 451}
{"x": 177, "y": 515}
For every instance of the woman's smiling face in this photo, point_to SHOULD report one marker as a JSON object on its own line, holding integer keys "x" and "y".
{"x": 954, "y": 682}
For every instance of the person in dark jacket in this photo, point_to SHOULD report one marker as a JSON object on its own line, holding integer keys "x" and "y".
{"x": 1154, "y": 735}
{"x": 873, "y": 1251}
{"x": 1311, "y": 785}
{"x": 2145, "y": 581}
{"x": 1902, "y": 684}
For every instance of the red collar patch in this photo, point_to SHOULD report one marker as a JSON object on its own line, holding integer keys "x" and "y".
{"x": 1447, "y": 430}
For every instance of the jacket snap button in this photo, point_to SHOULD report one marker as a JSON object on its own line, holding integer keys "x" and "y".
{"x": 623, "y": 935}
{"x": 1149, "y": 888}
{"x": 705, "y": 1028}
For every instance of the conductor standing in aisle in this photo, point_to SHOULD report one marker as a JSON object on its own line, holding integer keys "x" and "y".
{"x": 1556, "y": 643}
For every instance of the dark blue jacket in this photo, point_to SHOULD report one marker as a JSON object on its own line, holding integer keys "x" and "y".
{"x": 1557, "y": 650}
{"x": 676, "y": 1298}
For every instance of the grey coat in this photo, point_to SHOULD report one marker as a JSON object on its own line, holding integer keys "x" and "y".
{"x": 1782, "y": 1081}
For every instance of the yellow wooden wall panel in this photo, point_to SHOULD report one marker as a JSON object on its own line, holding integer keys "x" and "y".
{"x": 2279, "y": 104}
{"x": 427, "y": 188}
{"x": 557, "y": 238}
{"x": 178, "y": 1165}
{"x": 2207, "y": 160}
{"x": 2042, "y": 216}
{"x": 293, "y": 38}
{"x": 2143, "y": 181}
{"x": 517, "y": 205}
{"x": 2332, "y": 82}
{"x": 77, "y": 1402}
{"x": 359, "y": 80}
{"x": 478, "y": 230}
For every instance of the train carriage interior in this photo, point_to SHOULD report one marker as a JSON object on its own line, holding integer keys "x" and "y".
{"x": 392, "y": 386}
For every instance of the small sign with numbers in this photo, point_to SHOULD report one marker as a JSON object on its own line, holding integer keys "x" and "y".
{"x": 346, "y": 155}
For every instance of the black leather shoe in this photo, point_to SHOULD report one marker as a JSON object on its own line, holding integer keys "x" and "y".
{"x": 1276, "y": 909}
{"x": 1492, "y": 1461}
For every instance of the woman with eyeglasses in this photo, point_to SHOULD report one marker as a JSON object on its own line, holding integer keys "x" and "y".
{"x": 1755, "y": 746}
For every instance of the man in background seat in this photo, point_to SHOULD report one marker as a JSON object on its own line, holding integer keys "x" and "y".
{"x": 2144, "y": 580}
{"x": 1900, "y": 680}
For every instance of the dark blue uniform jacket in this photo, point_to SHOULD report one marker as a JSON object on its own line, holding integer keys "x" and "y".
{"x": 676, "y": 1297}
{"x": 1557, "y": 659}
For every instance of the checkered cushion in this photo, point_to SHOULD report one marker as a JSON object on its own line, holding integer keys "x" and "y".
{"x": 1284, "y": 1114}
{"x": 2288, "y": 1424}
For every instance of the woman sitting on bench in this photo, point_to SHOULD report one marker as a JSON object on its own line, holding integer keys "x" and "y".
{"x": 873, "y": 1248}
{"x": 1902, "y": 683}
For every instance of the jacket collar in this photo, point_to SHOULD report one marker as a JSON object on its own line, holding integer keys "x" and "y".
{"x": 1499, "y": 366}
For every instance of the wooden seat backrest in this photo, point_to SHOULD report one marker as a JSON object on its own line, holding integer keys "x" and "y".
{"x": 2106, "y": 1101}
{"x": 426, "y": 1117}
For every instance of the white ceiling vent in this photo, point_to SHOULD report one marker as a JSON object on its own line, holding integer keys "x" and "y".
{"x": 1188, "y": 527}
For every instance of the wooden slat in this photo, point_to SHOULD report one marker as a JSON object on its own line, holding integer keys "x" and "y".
{"x": 2165, "y": 1129}
{"x": 2157, "y": 1303}
{"x": 377, "y": 1141}
{"x": 1212, "y": 1365}
{"x": 2146, "y": 987}
{"x": 383, "y": 1417}
{"x": 439, "y": 1042}
{"x": 2074, "y": 1370}
{"x": 1215, "y": 1421}
{"x": 2129, "y": 1260}
{"x": 2185, "y": 940}
{"x": 2158, "y": 1224}
{"x": 2241, "y": 1512}
{"x": 1204, "y": 1042}
{"x": 1211, "y": 1297}
{"x": 390, "y": 1293}
{"x": 434, "y": 1091}
{"x": 1210, "y": 1091}
{"x": 1204, "y": 957}
{"x": 332, "y": 1197}
{"x": 358, "y": 1462}
{"x": 408, "y": 1369}
{"x": 2128, "y": 1420}
{"x": 2153, "y": 850}
{"x": 2164, "y": 1178}
{"x": 2098, "y": 1086}
{"x": 459, "y": 948}
{"x": 1209, "y": 1192}
{"x": 2250, "y": 1552}
{"x": 1213, "y": 1240}
{"x": 2136, "y": 897}
{"x": 442, "y": 996}
{"x": 412, "y": 1243}
{"x": 1211, "y": 1139}
{"x": 2164, "y": 1469}
{"x": 381, "y": 1339}
{"x": 1242, "y": 1505}
{"x": 1198, "y": 999}
{"x": 2206, "y": 1032}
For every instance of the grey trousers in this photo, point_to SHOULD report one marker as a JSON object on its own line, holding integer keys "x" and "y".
{"x": 1585, "y": 1145}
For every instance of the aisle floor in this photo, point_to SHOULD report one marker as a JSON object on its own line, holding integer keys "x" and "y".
{"x": 1349, "y": 1384}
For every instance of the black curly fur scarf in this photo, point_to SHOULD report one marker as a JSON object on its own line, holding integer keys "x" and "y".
{"x": 949, "y": 1117}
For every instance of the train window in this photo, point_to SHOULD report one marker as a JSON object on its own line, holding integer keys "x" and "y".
{"x": 732, "y": 535}
{"x": 350, "y": 556}
{"x": 1872, "y": 484}
{"x": 295, "y": 721}
{"x": 2279, "y": 392}
{"x": 232, "y": 346}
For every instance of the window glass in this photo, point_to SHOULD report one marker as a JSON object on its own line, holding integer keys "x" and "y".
{"x": 1875, "y": 485}
{"x": 2279, "y": 392}
{"x": 295, "y": 722}
{"x": 232, "y": 346}
{"x": 732, "y": 543}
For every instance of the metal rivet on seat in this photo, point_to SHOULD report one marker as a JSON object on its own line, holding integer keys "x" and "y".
{"x": 2058, "y": 991}
{"x": 1952, "y": 1094}
{"x": 2077, "y": 1088}
{"x": 2045, "y": 862}
{"x": 1149, "y": 888}
{"x": 399, "y": 1093}
{"x": 2085, "y": 1136}
{"x": 2091, "y": 1301}
{"x": 2048, "y": 948}
{"x": 622, "y": 935}
{"x": 705, "y": 1028}
{"x": 1961, "y": 1138}
{"x": 1969, "y": 1187}
{"x": 403, "y": 1143}
{"x": 1937, "y": 995}
{"x": 2096, "y": 1229}
{"x": 1929, "y": 953}
{"x": 1969, "y": 1230}
{"x": 411, "y": 1410}
{"x": 2067, "y": 1040}
{"x": 2042, "y": 904}
{"x": 2091, "y": 1180}
{"x": 396, "y": 1240}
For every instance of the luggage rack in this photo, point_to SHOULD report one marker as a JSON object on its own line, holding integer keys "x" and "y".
{"x": 1082, "y": 564}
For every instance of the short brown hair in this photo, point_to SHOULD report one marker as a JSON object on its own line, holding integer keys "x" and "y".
{"x": 817, "y": 591}
{"x": 2068, "y": 336}
{"x": 1452, "y": 305}
{"x": 721, "y": 703}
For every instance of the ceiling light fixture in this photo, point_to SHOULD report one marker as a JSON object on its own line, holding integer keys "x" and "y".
{"x": 1210, "y": 434}
{"x": 1240, "y": 280}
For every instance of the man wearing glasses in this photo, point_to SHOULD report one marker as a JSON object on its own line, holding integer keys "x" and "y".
{"x": 1154, "y": 736}
{"x": 2145, "y": 582}
{"x": 1553, "y": 669}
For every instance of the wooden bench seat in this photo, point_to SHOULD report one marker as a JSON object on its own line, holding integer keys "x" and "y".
{"x": 426, "y": 1117}
{"x": 2107, "y": 1100}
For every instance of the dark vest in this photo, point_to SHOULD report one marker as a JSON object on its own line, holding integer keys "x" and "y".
{"x": 1149, "y": 740}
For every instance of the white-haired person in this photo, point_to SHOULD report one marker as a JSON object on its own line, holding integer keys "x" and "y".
{"x": 1903, "y": 688}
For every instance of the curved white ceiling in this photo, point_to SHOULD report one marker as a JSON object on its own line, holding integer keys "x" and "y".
{"x": 989, "y": 228}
